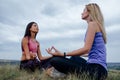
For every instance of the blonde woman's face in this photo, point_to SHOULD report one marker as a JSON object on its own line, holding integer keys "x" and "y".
{"x": 34, "y": 28}
{"x": 85, "y": 14}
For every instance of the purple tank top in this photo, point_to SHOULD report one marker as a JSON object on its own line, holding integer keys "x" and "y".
{"x": 97, "y": 53}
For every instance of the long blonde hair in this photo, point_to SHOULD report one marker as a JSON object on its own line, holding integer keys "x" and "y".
{"x": 96, "y": 15}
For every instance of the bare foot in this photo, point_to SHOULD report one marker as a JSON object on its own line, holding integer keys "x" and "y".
{"x": 49, "y": 70}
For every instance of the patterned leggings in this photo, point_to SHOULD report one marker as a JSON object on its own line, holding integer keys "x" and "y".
{"x": 31, "y": 65}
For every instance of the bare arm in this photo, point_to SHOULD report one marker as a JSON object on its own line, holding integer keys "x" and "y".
{"x": 88, "y": 42}
{"x": 40, "y": 55}
{"x": 85, "y": 55}
{"x": 87, "y": 46}
{"x": 25, "y": 47}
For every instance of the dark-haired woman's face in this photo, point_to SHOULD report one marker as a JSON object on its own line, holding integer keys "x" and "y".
{"x": 34, "y": 28}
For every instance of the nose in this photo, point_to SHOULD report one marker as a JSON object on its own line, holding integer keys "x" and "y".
{"x": 37, "y": 28}
{"x": 82, "y": 13}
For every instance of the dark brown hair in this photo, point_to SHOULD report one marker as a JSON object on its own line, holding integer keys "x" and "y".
{"x": 27, "y": 31}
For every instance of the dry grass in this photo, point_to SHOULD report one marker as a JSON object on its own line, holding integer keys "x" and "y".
{"x": 12, "y": 72}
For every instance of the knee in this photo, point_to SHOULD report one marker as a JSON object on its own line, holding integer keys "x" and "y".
{"x": 55, "y": 60}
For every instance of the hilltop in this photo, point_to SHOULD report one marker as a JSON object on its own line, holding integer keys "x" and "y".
{"x": 115, "y": 66}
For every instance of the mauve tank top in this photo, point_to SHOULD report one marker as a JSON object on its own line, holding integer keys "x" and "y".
{"x": 97, "y": 53}
{"x": 32, "y": 45}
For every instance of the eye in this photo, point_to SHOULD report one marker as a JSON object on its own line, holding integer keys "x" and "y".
{"x": 35, "y": 25}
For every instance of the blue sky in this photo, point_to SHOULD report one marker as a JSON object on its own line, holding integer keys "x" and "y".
{"x": 59, "y": 22}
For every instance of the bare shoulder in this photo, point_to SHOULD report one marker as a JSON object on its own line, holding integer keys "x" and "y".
{"x": 93, "y": 25}
{"x": 25, "y": 40}
{"x": 37, "y": 42}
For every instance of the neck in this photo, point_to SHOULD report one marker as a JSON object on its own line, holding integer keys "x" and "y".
{"x": 32, "y": 35}
{"x": 88, "y": 19}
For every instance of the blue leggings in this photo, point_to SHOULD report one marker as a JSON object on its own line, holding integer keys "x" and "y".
{"x": 79, "y": 65}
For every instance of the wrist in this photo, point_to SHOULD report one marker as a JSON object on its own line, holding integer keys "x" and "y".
{"x": 64, "y": 54}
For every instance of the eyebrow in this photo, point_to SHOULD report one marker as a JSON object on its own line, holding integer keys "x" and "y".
{"x": 35, "y": 24}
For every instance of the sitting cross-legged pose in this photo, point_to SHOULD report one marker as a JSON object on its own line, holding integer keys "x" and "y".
{"x": 94, "y": 46}
{"x": 31, "y": 54}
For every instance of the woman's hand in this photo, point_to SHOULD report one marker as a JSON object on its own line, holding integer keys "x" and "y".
{"x": 27, "y": 57}
{"x": 53, "y": 51}
{"x": 33, "y": 55}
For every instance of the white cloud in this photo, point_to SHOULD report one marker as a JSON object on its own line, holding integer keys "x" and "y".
{"x": 59, "y": 22}
{"x": 110, "y": 9}
{"x": 10, "y": 33}
{"x": 67, "y": 34}
{"x": 113, "y": 28}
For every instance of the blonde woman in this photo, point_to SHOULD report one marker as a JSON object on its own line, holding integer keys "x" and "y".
{"x": 94, "y": 46}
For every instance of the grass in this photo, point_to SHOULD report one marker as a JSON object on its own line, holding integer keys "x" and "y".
{"x": 12, "y": 72}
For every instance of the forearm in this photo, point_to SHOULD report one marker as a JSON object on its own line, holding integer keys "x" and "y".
{"x": 44, "y": 57}
{"x": 85, "y": 55}
{"x": 77, "y": 52}
{"x": 27, "y": 56}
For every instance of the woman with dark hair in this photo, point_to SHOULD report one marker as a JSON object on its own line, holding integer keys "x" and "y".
{"x": 31, "y": 50}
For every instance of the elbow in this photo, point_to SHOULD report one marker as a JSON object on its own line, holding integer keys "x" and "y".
{"x": 28, "y": 57}
{"x": 87, "y": 49}
{"x": 41, "y": 58}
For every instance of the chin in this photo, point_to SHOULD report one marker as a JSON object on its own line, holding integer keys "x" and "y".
{"x": 83, "y": 18}
{"x": 35, "y": 31}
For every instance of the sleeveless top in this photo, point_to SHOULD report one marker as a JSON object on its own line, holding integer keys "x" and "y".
{"x": 97, "y": 53}
{"x": 32, "y": 45}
